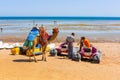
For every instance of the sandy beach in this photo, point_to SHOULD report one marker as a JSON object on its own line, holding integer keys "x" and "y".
{"x": 105, "y": 38}
{"x": 18, "y": 67}
{"x": 96, "y": 20}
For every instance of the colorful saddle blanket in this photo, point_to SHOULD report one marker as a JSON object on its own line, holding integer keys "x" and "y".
{"x": 31, "y": 36}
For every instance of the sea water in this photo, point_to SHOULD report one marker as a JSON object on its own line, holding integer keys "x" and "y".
{"x": 94, "y": 28}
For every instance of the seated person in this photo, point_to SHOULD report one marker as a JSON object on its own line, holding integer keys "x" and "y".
{"x": 92, "y": 49}
{"x": 89, "y": 51}
{"x": 84, "y": 42}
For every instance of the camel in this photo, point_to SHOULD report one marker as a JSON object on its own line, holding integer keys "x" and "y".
{"x": 44, "y": 46}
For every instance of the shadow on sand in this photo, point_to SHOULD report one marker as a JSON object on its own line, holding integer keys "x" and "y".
{"x": 23, "y": 60}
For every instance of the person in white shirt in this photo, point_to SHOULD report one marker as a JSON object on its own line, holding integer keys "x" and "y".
{"x": 69, "y": 40}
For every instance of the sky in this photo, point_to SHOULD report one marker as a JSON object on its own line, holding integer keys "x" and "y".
{"x": 107, "y": 8}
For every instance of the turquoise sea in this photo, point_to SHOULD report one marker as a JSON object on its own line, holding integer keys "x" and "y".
{"x": 95, "y": 28}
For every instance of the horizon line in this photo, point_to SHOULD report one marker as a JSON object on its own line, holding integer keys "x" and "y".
{"x": 63, "y": 16}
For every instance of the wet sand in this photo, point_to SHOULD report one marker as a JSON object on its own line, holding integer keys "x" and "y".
{"x": 62, "y": 38}
{"x": 96, "y": 31}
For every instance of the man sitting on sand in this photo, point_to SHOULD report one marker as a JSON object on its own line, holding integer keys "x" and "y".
{"x": 84, "y": 42}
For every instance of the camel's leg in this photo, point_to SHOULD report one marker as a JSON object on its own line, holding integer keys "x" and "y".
{"x": 34, "y": 55}
{"x": 34, "y": 58}
{"x": 44, "y": 56}
{"x": 29, "y": 53}
{"x": 30, "y": 59}
{"x": 33, "y": 49}
{"x": 44, "y": 52}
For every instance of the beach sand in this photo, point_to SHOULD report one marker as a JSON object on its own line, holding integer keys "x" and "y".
{"x": 18, "y": 67}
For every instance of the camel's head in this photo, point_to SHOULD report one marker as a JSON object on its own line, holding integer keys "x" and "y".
{"x": 55, "y": 30}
